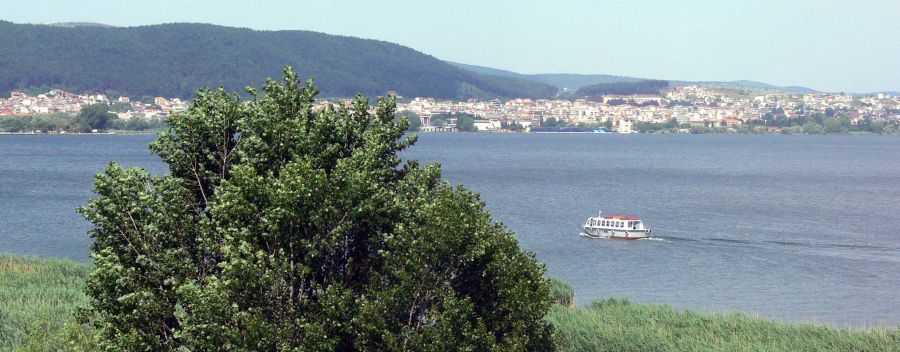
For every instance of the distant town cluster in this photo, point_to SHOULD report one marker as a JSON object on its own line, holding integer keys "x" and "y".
{"x": 681, "y": 108}
{"x": 685, "y": 109}
{"x": 59, "y": 101}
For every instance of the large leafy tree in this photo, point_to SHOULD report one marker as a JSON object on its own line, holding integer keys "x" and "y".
{"x": 415, "y": 122}
{"x": 287, "y": 227}
{"x": 95, "y": 116}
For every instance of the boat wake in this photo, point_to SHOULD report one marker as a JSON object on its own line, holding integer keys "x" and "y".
{"x": 659, "y": 239}
{"x": 654, "y": 239}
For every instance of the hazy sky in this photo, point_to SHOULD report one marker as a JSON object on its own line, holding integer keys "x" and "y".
{"x": 826, "y": 45}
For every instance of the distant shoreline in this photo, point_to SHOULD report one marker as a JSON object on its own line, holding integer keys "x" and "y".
{"x": 116, "y": 133}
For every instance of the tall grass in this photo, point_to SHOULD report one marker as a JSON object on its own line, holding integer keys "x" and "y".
{"x": 616, "y": 325}
{"x": 37, "y": 300}
{"x": 563, "y": 293}
{"x": 39, "y": 296}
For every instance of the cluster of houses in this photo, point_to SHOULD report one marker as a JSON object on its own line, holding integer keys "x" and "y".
{"x": 688, "y": 105}
{"x": 59, "y": 101}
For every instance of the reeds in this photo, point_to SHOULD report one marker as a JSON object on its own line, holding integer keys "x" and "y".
{"x": 614, "y": 324}
{"x": 37, "y": 300}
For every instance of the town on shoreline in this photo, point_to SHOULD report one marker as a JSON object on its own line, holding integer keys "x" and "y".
{"x": 682, "y": 109}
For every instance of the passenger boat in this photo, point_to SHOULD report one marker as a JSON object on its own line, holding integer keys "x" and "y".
{"x": 615, "y": 226}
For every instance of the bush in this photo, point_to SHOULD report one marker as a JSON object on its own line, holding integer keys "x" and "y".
{"x": 282, "y": 227}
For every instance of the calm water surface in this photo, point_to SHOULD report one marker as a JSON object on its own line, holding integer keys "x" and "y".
{"x": 796, "y": 228}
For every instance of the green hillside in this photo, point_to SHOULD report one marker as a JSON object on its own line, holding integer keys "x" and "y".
{"x": 563, "y": 81}
{"x": 623, "y": 88}
{"x": 176, "y": 59}
{"x": 569, "y": 83}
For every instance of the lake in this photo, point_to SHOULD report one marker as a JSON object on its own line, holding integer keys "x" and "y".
{"x": 795, "y": 228}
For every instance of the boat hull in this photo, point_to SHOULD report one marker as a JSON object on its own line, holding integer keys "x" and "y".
{"x": 594, "y": 232}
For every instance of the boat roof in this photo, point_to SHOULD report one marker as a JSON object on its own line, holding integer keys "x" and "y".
{"x": 620, "y": 217}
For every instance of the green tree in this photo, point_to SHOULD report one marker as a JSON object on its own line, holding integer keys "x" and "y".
{"x": 415, "y": 122}
{"x": 96, "y": 116}
{"x": 136, "y": 124}
{"x": 13, "y": 124}
{"x": 465, "y": 123}
{"x": 876, "y": 126}
{"x": 833, "y": 125}
{"x": 282, "y": 227}
{"x": 550, "y": 122}
{"x": 810, "y": 127}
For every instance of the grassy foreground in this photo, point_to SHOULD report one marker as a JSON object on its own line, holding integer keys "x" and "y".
{"x": 38, "y": 296}
{"x": 37, "y": 300}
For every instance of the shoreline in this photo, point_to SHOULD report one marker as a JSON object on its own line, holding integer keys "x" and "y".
{"x": 127, "y": 132}
{"x": 114, "y": 133}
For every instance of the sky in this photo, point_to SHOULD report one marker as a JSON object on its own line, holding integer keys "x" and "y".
{"x": 836, "y": 46}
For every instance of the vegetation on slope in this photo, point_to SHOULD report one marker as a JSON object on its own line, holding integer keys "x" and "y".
{"x": 177, "y": 59}
{"x": 596, "y": 91}
{"x": 562, "y": 81}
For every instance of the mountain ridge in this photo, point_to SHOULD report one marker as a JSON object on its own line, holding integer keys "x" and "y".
{"x": 177, "y": 59}
{"x": 575, "y": 81}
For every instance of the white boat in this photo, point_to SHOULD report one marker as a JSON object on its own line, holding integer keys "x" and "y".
{"x": 615, "y": 226}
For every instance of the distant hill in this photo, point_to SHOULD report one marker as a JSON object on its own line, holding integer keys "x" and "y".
{"x": 746, "y": 84}
{"x": 572, "y": 82}
{"x": 176, "y": 59}
{"x": 78, "y": 24}
{"x": 563, "y": 81}
{"x": 596, "y": 91}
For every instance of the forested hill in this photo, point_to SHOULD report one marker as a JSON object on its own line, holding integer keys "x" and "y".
{"x": 596, "y": 91}
{"x": 563, "y": 81}
{"x": 176, "y": 59}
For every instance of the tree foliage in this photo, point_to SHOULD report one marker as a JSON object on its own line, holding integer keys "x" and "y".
{"x": 465, "y": 122}
{"x": 415, "y": 122}
{"x": 83, "y": 122}
{"x": 281, "y": 227}
{"x": 94, "y": 117}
